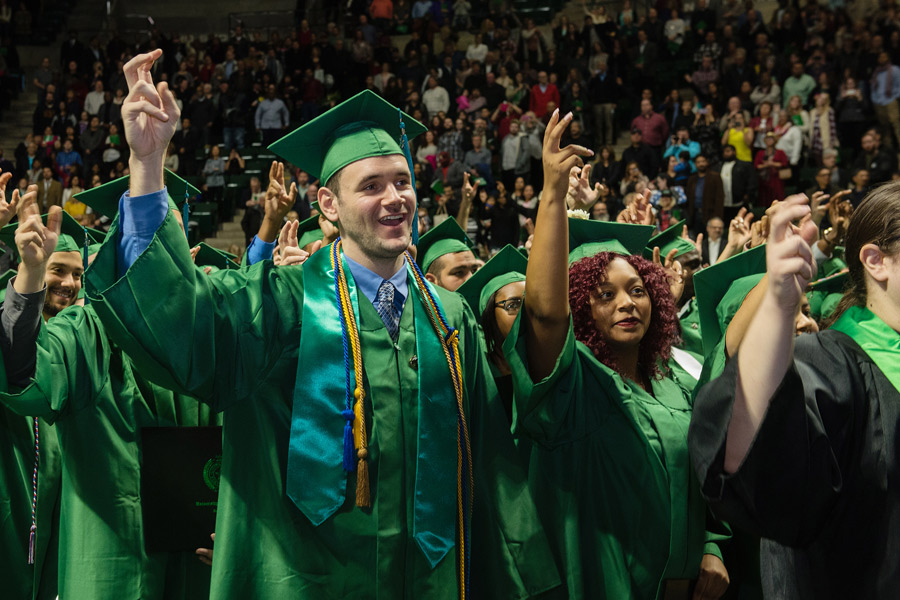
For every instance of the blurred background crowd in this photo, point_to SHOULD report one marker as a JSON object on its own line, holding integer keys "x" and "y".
{"x": 712, "y": 105}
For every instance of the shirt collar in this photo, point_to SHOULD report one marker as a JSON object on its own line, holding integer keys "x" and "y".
{"x": 368, "y": 281}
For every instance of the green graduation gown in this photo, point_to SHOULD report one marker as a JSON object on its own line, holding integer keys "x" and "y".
{"x": 611, "y": 474}
{"x": 233, "y": 342}
{"x": 86, "y": 386}
{"x": 21, "y": 581}
{"x": 692, "y": 341}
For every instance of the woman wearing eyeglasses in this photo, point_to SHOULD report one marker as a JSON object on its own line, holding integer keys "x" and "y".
{"x": 496, "y": 292}
{"x": 609, "y": 467}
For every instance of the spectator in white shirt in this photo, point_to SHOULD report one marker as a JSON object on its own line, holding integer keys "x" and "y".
{"x": 93, "y": 102}
{"x": 436, "y": 99}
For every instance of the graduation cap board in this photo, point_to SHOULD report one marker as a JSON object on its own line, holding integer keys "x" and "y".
{"x": 71, "y": 238}
{"x": 179, "y": 486}
{"x": 505, "y": 267}
{"x": 587, "y": 238}
{"x": 213, "y": 257}
{"x": 104, "y": 199}
{"x": 363, "y": 126}
{"x": 713, "y": 283}
{"x": 446, "y": 238}
{"x": 669, "y": 240}
{"x": 825, "y": 294}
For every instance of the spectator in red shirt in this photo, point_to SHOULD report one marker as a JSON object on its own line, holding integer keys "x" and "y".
{"x": 543, "y": 93}
{"x": 652, "y": 125}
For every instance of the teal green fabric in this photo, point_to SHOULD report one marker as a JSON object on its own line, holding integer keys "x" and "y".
{"x": 610, "y": 471}
{"x": 691, "y": 336}
{"x": 19, "y": 579}
{"x": 317, "y": 481}
{"x": 86, "y": 387}
{"x": 875, "y": 337}
{"x": 233, "y": 341}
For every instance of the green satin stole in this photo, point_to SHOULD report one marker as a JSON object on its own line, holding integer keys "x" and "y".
{"x": 316, "y": 479}
{"x": 873, "y": 335}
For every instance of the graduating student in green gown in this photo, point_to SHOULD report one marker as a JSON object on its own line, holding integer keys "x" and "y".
{"x": 796, "y": 439}
{"x": 674, "y": 244}
{"x": 29, "y": 517}
{"x": 609, "y": 470}
{"x": 496, "y": 292}
{"x": 445, "y": 255}
{"x": 72, "y": 376}
{"x": 344, "y": 473}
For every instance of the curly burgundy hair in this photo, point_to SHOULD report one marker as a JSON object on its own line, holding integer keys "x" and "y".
{"x": 664, "y": 331}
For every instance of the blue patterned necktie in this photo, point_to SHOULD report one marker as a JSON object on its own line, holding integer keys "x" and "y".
{"x": 384, "y": 304}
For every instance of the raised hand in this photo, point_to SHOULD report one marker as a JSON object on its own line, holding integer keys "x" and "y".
{"x": 149, "y": 112}
{"x": 34, "y": 240}
{"x": 674, "y": 271}
{"x": 279, "y": 202}
{"x": 639, "y": 212}
{"x": 789, "y": 259}
{"x": 7, "y": 209}
{"x": 580, "y": 195}
{"x": 698, "y": 243}
{"x": 468, "y": 189}
{"x": 558, "y": 162}
{"x": 290, "y": 252}
{"x": 818, "y": 206}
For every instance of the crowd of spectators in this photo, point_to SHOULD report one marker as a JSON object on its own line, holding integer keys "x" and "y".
{"x": 720, "y": 107}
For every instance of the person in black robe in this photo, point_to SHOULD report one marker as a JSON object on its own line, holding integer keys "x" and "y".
{"x": 796, "y": 441}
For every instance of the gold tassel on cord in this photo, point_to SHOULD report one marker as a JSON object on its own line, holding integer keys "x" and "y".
{"x": 363, "y": 495}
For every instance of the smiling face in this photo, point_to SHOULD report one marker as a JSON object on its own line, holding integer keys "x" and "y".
{"x": 63, "y": 279}
{"x": 374, "y": 205}
{"x": 621, "y": 307}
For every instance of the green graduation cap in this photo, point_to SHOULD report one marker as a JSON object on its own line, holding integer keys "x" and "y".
{"x": 309, "y": 231}
{"x": 104, "y": 199}
{"x": 213, "y": 257}
{"x": 833, "y": 284}
{"x": 825, "y": 294}
{"x": 669, "y": 240}
{"x": 587, "y": 238}
{"x": 446, "y": 238}
{"x": 4, "y": 279}
{"x": 71, "y": 236}
{"x": 363, "y": 126}
{"x": 728, "y": 281}
{"x": 507, "y": 266}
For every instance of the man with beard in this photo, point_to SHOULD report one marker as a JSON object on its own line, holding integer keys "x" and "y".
{"x": 65, "y": 370}
{"x": 29, "y": 473}
{"x": 311, "y": 506}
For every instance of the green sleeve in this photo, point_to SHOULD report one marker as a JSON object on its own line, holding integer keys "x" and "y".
{"x": 555, "y": 410}
{"x": 211, "y": 337}
{"x": 511, "y": 555}
{"x": 718, "y": 534}
{"x": 72, "y": 365}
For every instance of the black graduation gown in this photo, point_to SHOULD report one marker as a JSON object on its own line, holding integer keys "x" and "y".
{"x": 820, "y": 481}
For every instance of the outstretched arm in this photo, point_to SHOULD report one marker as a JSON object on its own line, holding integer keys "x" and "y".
{"x": 547, "y": 277}
{"x": 767, "y": 348}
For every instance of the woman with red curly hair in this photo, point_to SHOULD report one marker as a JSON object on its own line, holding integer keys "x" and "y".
{"x": 609, "y": 465}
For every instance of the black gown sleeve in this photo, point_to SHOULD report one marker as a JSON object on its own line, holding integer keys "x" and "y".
{"x": 794, "y": 471}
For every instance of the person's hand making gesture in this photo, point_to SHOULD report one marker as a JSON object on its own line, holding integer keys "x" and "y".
{"x": 278, "y": 203}
{"x": 7, "y": 209}
{"x": 150, "y": 114}
{"x": 558, "y": 162}
{"x": 580, "y": 195}
{"x": 35, "y": 241}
